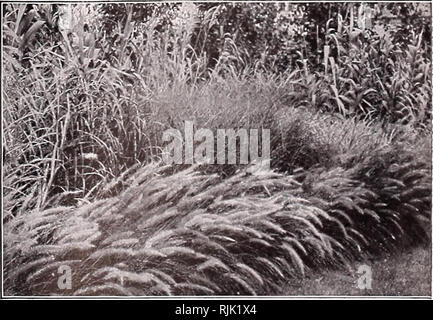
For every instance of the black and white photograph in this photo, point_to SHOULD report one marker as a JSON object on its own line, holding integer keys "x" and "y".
{"x": 216, "y": 149}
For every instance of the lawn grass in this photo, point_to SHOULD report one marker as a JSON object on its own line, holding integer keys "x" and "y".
{"x": 400, "y": 274}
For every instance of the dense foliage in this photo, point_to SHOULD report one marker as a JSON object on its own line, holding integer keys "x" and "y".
{"x": 87, "y": 93}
